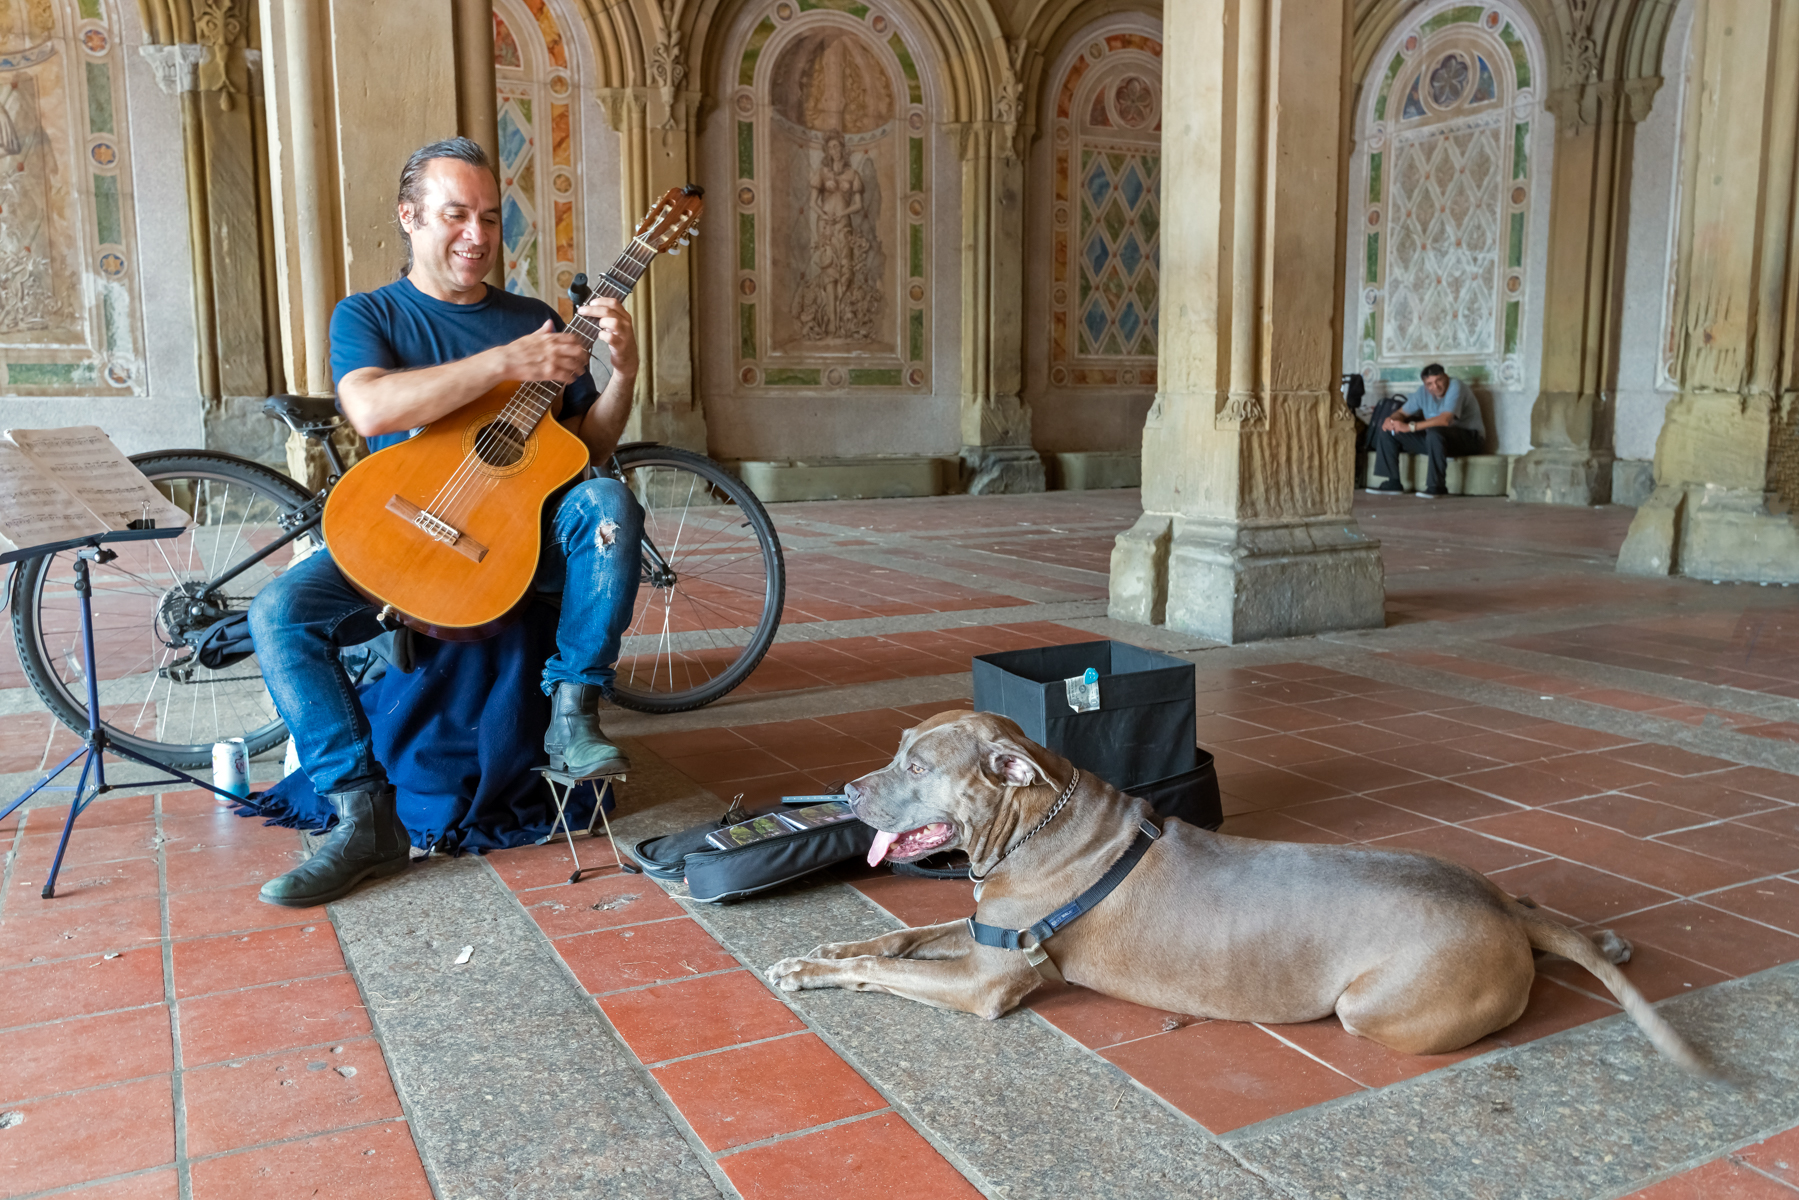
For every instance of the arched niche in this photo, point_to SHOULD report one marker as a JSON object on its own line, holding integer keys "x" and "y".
{"x": 538, "y": 87}
{"x": 1448, "y": 204}
{"x": 1094, "y": 248}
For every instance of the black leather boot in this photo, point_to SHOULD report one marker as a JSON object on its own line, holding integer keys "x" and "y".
{"x": 576, "y": 744}
{"x": 368, "y": 842}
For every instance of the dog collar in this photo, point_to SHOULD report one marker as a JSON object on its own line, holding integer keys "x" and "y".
{"x": 1035, "y": 830}
{"x": 1030, "y": 941}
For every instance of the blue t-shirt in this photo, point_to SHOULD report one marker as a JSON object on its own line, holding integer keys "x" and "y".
{"x": 398, "y": 326}
{"x": 1456, "y": 400}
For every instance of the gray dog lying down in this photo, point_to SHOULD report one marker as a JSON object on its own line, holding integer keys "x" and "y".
{"x": 1413, "y": 951}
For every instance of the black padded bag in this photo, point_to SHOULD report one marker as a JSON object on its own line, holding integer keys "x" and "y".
{"x": 717, "y": 876}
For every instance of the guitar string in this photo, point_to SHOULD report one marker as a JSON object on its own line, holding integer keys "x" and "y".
{"x": 529, "y": 404}
{"x": 530, "y": 395}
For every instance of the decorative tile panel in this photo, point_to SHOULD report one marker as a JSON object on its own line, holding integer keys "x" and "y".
{"x": 1106, "y": 220}
{"x": 833, "y": 201}
{"x": 1445, "y": 208}
{"x": 540, "y": 221}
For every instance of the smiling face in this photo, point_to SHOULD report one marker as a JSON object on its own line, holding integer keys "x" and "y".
{"x": 455, "y": 230}
{"x": 1436, "y": 385}
{"x": 950, "y": 786}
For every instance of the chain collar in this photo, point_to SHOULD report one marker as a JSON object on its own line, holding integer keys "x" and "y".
{"x": 1035, "y": 830}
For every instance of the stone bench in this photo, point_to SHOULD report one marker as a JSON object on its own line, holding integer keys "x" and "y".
{"x": 1467, "y": 475}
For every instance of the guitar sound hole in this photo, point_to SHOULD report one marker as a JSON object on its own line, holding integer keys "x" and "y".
{"x": 500, "y": 444}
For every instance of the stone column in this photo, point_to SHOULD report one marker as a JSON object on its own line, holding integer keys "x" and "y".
{"x": 1570, "y": 461}
{"x": 1248, "y": 449}
{"x": 1725, "y": 442}
{"x": 997, "y": 457}
{"x": 477, "y": 112}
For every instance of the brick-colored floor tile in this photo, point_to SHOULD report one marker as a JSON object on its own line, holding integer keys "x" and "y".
{"x": 35, "y": 931}
{"x": 598, "y": 901}
{"x": 1581, "y": 892}
{"x": 1358, "y": 739}
{"x": 285, "y": 1095}
{"x": 231, "y": 910}
{"x": 697, "y": 741}
{"x": 610, "y": 959}
{"x": 1227, "y": 1074}
{"x": 1778, "y": 1156}
{"x": 1783, "y": 821}
{"x": 1667, "y": 867}
{"x": 1570, "y": 737}
{"x": 920, "y": 901}
{"x": 1483, "y": 854}
{"x": 1366, "y": 1061}
{"x": 1526, "y": 785}
{"x": 695, "y": 1015}
{"x": 214, "y": 867}
{"x": 1284, "y": 750}
{"x": 262, "y": 1020}
{"x": 1653, "y": 971}
{"x": 1357, "y": 774}
{"x": 1720, "y": 1179}
{"x": 1706, "y": 798}
{"x": 1745, "y": 843}
{"x": 94, "y": 1134}
{"x": 879, "y": 1158}
{"x": 1503, "y": 747}
{"x": 80, "y": 986}
{"x": 759, "y": 1091}
{"x": 100, "y": 883}
{"x": 84, "y": 1052}
{"x": 1275, "y": 788}
{"x": 1358, "y": 818}
{"x": 115, "y": 810}
{"x": 1717, "y": 939}
{"x": 147, "y": 1185}
{"x": 1671, "y": 760}
{"x": 551, "y": 863}
{"x": 219, "y": 964}
{"x": 1601, "y": 773}
{"x": 1444, "y": 801}
{"x": 1551, "y": 1009}
{"x": 1630, "y": 814}
{"x": 1760, "y": 781}
{"x": 1096, "y": 1020}
{"x": 1770, "y": 901}
{"x": 1277, "y": 827}
{"x": 376, "y": 1162}
{"x": 88, "y": 845}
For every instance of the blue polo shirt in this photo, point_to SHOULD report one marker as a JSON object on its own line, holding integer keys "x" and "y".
{"x": 1456, "y": 400}
{"x": 398, "y": 326}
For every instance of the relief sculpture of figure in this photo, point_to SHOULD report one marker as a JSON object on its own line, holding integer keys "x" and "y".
{"x": 838, "y": 296}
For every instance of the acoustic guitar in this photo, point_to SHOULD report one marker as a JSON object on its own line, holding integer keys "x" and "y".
{"x": 444, "y": 530}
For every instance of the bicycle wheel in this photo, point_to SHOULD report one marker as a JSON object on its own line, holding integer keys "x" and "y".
{"x": 155, "y": 696}
{"x": 709, "y": 598}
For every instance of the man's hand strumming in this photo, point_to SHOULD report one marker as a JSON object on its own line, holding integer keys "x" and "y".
{"x": 545, "y": 354}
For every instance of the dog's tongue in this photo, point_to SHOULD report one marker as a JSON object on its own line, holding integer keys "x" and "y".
{"x": 878, "y": 851}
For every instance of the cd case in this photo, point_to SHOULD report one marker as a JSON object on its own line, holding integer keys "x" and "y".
{"x": 746, "y": 833}
{"x": 815, "y": 816}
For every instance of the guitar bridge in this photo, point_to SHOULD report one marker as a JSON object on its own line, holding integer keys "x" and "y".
{"x": 436, "y": 528}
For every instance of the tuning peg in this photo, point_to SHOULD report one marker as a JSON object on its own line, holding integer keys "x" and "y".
{"x": 674, "y": 249}
{"x": 684, "y": 241}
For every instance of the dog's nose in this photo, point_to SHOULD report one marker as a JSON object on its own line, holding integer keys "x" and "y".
{"x": 851, "y": 792}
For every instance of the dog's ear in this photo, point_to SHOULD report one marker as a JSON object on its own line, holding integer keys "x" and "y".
{"x": 1006, "y": 762}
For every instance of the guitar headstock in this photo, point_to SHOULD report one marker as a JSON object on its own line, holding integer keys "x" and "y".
{"x": 672, "y": 220}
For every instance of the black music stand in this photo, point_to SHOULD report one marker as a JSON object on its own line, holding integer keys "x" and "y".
{"x": 93, "y": 766}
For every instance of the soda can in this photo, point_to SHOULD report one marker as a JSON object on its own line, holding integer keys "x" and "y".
{"x": 231, "y": 767}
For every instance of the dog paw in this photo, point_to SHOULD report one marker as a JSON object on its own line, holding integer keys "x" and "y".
{"x": 829, "y": 950}
{"x": 791, "y": 974}
{"x": 1612, "y": 948}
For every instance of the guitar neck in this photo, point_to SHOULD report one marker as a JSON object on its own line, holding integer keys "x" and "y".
{"x": 537, "y": 398}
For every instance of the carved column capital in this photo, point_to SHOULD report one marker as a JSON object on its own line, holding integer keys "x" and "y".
{"x": 624, "y": 107}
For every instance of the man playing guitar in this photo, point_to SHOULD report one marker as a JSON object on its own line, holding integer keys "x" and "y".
{"x": 403, "y": 356}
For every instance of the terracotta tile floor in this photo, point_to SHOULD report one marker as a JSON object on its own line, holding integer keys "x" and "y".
{"x": 225, "y": 1051}
{"x": 152, "y": 1030}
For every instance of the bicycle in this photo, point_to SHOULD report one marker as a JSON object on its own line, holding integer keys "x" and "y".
{"x": 712, "y": 583}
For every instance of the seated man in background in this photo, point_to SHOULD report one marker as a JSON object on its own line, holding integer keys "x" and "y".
{"x": 1441, "y": 418}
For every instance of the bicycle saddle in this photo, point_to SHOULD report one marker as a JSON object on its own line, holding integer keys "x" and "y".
{"x": 304, "y": 414}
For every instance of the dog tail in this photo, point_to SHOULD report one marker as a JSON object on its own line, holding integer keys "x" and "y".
{"x": 1546, "y": 934}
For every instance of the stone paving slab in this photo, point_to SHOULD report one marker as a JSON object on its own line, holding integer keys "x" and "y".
{"x": 513, "y": 1082}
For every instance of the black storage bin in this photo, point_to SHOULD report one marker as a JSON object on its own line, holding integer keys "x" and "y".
{"x": 1143, "y": 729}
{"x": 1192, "y": 795}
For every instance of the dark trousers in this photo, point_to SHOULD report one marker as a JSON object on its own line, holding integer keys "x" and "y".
{"x": 1439, "y": 443}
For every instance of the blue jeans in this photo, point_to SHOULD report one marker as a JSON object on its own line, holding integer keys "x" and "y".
{"x": 307, "y": 614}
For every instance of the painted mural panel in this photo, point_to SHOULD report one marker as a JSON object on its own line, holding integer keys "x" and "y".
{"x": 1106, "y": 251}
{"x": 68, "y": 315}
{"x": 831, "y": 201}
{"x": 540, "y": 194}
{"x": 1441, "y": 246}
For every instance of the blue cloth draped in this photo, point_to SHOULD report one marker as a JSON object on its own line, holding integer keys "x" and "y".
{"x": 460, "y": 736}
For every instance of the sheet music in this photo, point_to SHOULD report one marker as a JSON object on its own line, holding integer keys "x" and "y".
{"x": 84, "y": 460}
{"x": 34, "y": 507}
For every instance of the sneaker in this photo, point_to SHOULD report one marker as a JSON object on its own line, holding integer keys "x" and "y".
{"x": 1386, "y": 489}
{"x": 1431, "y": 495}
